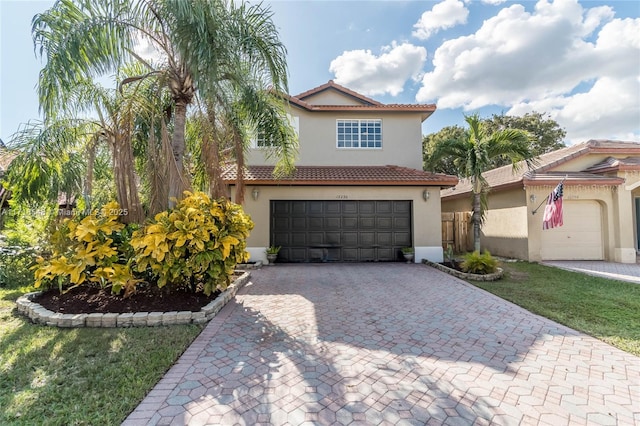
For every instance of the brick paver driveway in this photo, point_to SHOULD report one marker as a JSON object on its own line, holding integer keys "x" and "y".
{"x": 388, "y": 344}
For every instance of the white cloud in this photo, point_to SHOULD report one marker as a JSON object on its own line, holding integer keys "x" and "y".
{"x": 148, "y": 50}
{"x": 369, "y": 74}
{"x": 443, "y": 15}
{"x": 538, "y": 61}
{"x": 493, "y": 2}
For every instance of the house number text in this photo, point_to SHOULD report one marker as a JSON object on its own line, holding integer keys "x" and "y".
{"x": 342, "y": 196}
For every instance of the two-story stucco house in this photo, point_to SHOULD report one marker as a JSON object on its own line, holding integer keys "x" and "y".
{"x": 358, "y": 192}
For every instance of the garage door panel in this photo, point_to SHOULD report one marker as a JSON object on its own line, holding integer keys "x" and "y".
{"x": 315, "y": 238}
{"x": 367, "y": 238}
{"x": 298, "y": 208}
{"x": 386, "y": 254}
{"x": 332, "y": 208}
{"x": 384, "y": 207}
{"x": 313, "y": 208}
{"x": 350, "y": 207}
{"x": 281, "y": 223}
{"x": 403, "y": 207}
{"x": 332, "y": 222}
{"x": 580, "y": 237}
{"x": 367, "y": 207}
{"x": 367, "y": 254}
{"x": 349, "y": 230}
{"x": 297, "y": 239}
{"x": 350, "y": 254}
{"x": 349, "y": 223}
{"x": 298, "y": 223}
{"x": 385, "y": 238}
{"x": 333, "y": 237}
{"x": 401, "y": 222}
{"x": 281, "y": 208}
{"x": 384, "y": 223}
{"x": 402, "y": 239}
{"x": 367, "y": 222}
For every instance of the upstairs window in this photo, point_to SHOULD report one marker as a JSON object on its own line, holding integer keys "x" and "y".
{"x": 262, "y": 141}
{"x": 359, "y": 133}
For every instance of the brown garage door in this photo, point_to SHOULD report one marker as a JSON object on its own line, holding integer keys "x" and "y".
{"x": 342, "y": 231}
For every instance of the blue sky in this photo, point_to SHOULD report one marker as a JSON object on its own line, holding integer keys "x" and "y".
{"x": 578, "y": 61}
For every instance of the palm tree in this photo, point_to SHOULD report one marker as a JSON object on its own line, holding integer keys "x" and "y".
{"x": 472, "y": 155}
{"x": 203, "y": 45}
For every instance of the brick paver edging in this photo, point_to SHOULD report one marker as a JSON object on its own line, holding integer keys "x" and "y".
{"x": 39, "y": 314}
{"x": 463, "y": 275}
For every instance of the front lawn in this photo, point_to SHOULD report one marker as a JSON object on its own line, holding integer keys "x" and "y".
{"x": 606, "y": 309}
{"x": 79, "y": 376}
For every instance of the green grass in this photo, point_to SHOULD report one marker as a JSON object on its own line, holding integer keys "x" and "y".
{"x": 79, "y": 376}
{"x": 606, "y": 309}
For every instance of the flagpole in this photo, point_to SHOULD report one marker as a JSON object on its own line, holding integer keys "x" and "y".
{"x": 547, "y": 197}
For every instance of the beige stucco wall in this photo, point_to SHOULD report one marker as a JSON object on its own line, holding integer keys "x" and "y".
{"x": 504, "y": 232}
{"x": 401, "y": 141}
{"x": 461, "y": 204}
{"x": 427, "y": 233}
{"x": 331, "y": 97}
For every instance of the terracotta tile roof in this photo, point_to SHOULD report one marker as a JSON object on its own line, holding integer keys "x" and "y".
{"x": 502, "y": 177}
{"x": 336, "y": 175}
{"x": 615, "y": 164}
{"x": 570, "y": 178}
{"x": 369, "y": 105}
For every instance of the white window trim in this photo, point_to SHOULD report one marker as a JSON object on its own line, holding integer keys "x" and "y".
{"x": 359, "y": 120}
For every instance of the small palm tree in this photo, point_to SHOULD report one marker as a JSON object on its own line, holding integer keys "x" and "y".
{"x": 472, "y": 155}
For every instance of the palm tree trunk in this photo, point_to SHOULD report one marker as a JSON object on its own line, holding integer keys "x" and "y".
{"x": 476, "y": 219}
{"x": 88, "y": 182}
{"x": 126, "y": 184}
{"x": 239, "y": 148}
{"x": 177, "y": 178}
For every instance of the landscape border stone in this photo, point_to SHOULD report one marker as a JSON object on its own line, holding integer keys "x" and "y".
{"x": 463, "y": 275}
{"x": 40, "y": 315}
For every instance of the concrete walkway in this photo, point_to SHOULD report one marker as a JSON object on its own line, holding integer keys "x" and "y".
{"x": 616, "y": 271}
{"x": 388, "y": 344}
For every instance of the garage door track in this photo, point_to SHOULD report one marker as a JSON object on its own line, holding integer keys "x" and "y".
{"x": 388, "y": 344}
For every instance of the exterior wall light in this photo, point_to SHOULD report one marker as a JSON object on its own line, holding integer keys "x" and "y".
{"x": 532, "y": 198}
{"x": 425, "y": 195}
{"x": 255, "y": 193}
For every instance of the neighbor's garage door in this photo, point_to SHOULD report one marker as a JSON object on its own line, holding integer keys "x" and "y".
{"x": 345, "y": 231}
{"x": 580, "y": 238}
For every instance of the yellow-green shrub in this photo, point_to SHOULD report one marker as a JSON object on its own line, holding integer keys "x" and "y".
{"x": 196, "y": 245}
{"x": 476, "y": 263}
{"x": 89, "y": 249}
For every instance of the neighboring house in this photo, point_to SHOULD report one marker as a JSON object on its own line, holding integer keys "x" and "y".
{"x": 358, "y": 192}
{"x": 601, "y": 205}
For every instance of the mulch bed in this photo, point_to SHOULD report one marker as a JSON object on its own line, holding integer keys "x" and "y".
{"x": 87, "y": 300}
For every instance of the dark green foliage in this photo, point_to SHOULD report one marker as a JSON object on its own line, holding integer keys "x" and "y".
{"x": 15, "y": 262}
{"x": 430, "y": 142}
{"x": 476, "y": 263}
{"x": 546, "y": 133}
{"x": 546, "y": 136}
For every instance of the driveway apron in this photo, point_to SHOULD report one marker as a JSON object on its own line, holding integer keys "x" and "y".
{"x": 388, "y": 344}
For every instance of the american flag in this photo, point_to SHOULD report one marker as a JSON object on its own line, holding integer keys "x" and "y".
{"x": 553, "y": 210}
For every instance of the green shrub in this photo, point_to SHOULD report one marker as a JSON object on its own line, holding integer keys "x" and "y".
{"x": 15, "y": 264}
{"x": 476, "y": 263}
{"x": 194, "y": 246}
{"x": 92, "y": 249}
